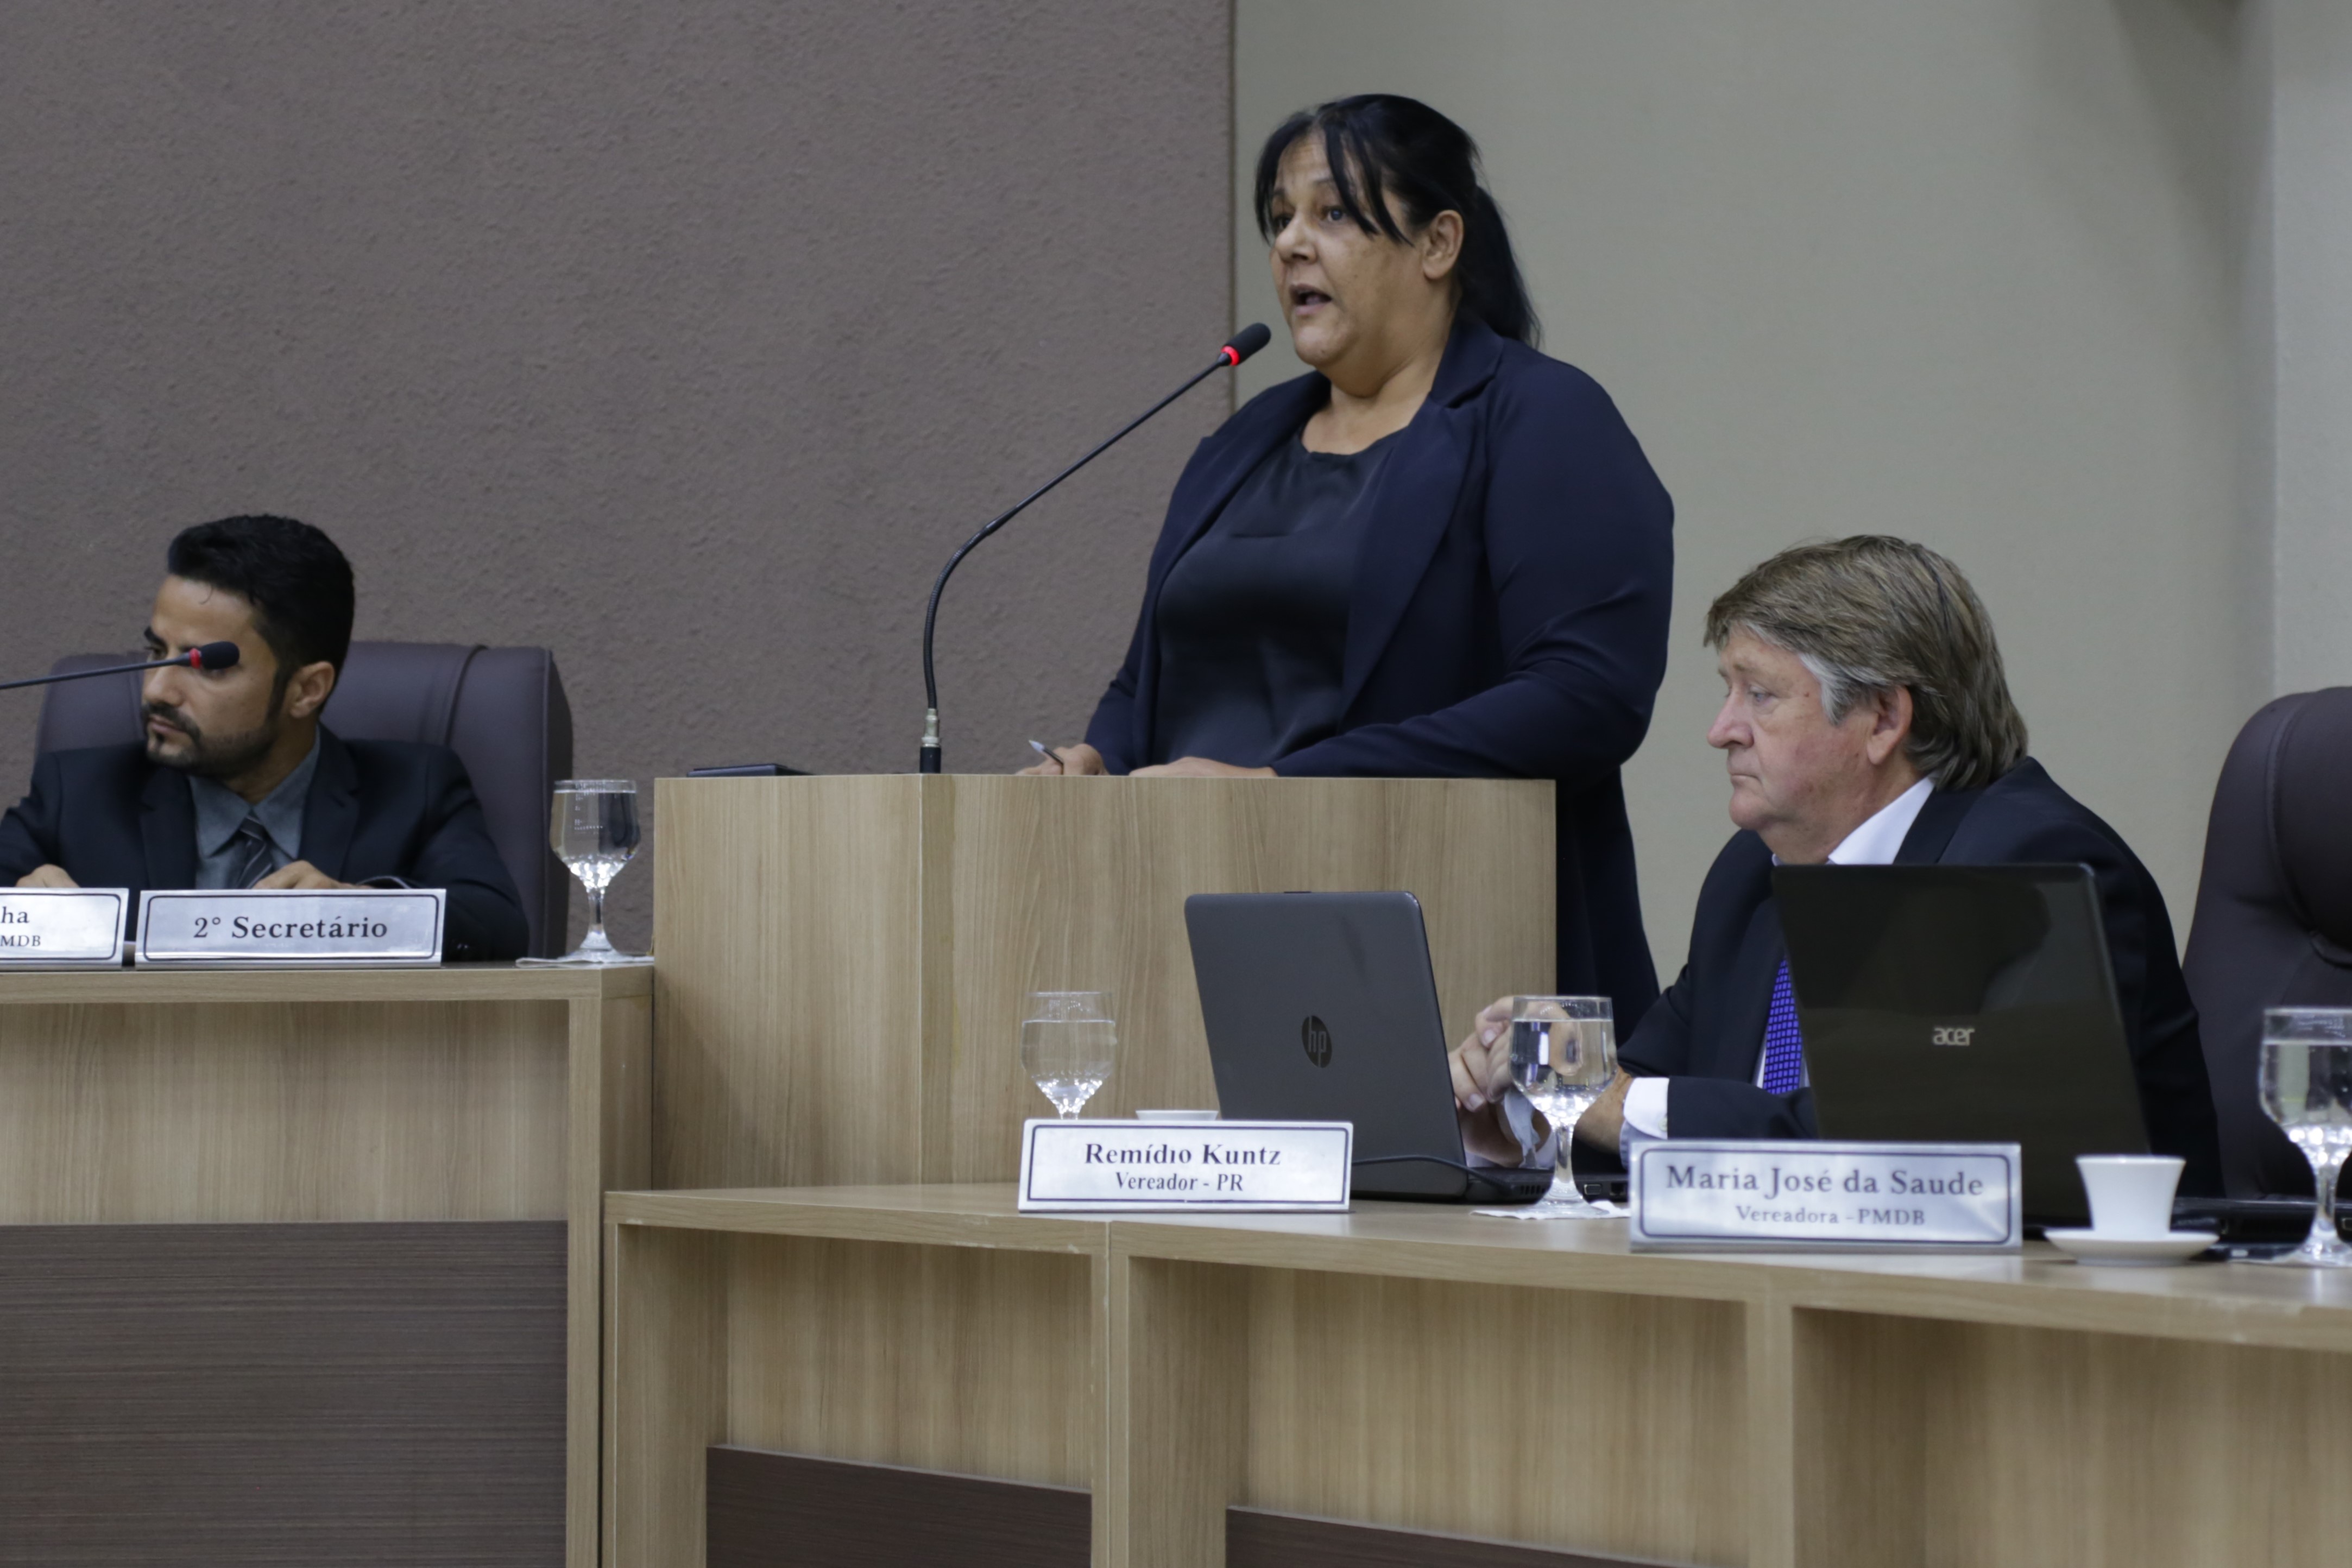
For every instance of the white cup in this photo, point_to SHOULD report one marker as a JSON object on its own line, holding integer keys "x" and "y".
{"x": 2131, "y": 1195}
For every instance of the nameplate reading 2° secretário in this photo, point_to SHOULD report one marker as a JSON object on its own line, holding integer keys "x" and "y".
{"x": 1142, "y": 1166}
{"x": 62, "y": 927}
{"x": 1694, "y": 1195}
{"x": 292, "y": 929}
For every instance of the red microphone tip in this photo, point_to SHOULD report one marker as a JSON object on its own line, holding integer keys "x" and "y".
{"x": 1230, "y": 355}
{"x": 195, "y": 658}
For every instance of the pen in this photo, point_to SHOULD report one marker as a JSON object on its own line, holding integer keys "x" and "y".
{"x": 1045, "y": 751}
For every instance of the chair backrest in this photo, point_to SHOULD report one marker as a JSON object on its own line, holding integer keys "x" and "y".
{"x": 503, "y": 710}
{"x": 2273, "y": 921}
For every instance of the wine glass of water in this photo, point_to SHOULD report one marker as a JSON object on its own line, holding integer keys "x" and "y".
{"x": 1068, "y": 1040}
{"x": 594, "y": 830}
{"x": 1563, "y": 1055}
{"x": 2307, "y": 1089}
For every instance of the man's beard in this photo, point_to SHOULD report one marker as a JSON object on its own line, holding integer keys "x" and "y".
{"x": 210, "y": 757}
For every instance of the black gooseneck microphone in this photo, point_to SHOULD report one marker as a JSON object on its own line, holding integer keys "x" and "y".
{"x": 1240, "y": 347}
{"x": 206, "y": 657}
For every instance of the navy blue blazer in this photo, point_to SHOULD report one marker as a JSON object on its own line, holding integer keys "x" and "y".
{"x": 376, "y": 808}
{"x": 1508, "y": 618}
{"x": 1708, "y": 1030}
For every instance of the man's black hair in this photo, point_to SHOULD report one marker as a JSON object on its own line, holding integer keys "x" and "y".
{"x": 297, "y": 582}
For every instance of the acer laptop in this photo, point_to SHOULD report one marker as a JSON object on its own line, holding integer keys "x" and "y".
{"x": 1321, "y": 1007}
{"x": 1964, "y": 1004}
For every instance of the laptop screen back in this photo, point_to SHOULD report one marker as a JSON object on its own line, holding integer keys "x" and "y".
{"x": 1321, "y": 1006}
{"x": 1964, "y": 1004}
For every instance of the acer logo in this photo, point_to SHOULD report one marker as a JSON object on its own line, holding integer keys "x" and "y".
{"x": 1316, "y": 1038}
{"x": 1953, "y": 1034}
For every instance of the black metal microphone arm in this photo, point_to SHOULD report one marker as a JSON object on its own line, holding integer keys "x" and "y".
{"x": 929, "y": 761}
{"x": 184, "y": 660}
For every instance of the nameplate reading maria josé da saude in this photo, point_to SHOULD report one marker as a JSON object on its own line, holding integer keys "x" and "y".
{"x": 1706, "y": 1195}
{"x": 62, "y": 927}
{"x": 290, "y": 928}
{"x": 1131, "y": 1166}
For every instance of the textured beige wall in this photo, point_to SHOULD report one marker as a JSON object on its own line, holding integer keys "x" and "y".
{"x": 684, "y": 339}
{"x": 1966, "y": 272}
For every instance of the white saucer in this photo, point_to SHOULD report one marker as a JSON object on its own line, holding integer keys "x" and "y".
{"x": 2130, "y": 1251}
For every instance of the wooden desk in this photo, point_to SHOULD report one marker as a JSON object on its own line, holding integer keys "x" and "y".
{"x": 306, "y": 1266}
{"x": 1226, "y": 1383}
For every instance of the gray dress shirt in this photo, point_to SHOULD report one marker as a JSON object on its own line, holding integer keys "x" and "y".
{"x": 221, "y": 811}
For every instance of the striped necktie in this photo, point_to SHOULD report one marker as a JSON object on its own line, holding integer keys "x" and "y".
{"x": 1784, "y": 1046}
{"x": 252, "y": 858}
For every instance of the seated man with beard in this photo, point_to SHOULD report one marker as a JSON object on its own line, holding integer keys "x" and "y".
{"x": 239, "y": 784}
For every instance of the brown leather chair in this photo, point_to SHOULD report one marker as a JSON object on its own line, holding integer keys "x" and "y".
{"x": 2273, "y": 921}
{"x": 501, "y": 710}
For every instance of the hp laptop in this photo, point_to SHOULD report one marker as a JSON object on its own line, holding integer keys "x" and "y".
{"x": 1964, "y": 1004}
{"x": 1321, "y": 1007}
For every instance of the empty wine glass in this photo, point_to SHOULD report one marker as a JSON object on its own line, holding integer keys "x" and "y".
{"x": 2307, "y": 1089}
{"x": 1068, "y": 1040}
{"x": 1563, "y": 1055}
{"x": 594, "y": 828}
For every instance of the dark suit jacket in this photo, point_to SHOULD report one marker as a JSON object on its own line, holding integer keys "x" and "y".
{"x": 1708, "y": 1030}
{"x": 1508, "y": 617}
{"x": 376, "y": 808}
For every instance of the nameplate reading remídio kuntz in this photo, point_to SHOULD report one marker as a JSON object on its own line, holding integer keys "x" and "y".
{"x": 1086, "y": 1166}
{"x": 1709, "y": 1195}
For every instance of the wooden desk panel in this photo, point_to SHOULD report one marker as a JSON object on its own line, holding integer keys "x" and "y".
{"x": 946, "y": 1357}
{"x": 1692, "y": 1408}
{"x": 283, "y": 1112}
{"x": 1494, "y": 1411}
{"x": 426, "y": 1099}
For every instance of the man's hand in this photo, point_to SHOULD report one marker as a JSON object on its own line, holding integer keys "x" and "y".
{"x": 1481, "y": 1068}
{"x": 1071, "y": 761}
{"x": 46, "y": 876}
{"x": 1603, "y": 1126}
{"x": 1200, "y": 768}
{"x": 303, "y": 876}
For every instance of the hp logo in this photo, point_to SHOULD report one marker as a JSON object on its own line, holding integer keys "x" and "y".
{"x": 1317, "y": 1038}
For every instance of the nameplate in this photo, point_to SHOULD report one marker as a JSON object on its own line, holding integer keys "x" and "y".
{"x": 284, "y": 927}
{"x": 62, "y": 927}
{"x": 1708, "y": 1195}
{"x": 1142, "y": 1166}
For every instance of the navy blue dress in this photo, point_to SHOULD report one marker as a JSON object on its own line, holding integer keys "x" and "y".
{"x": 1505, "y": 617}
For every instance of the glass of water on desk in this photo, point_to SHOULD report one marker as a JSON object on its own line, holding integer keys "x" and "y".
{"x": 593, "y": 829}
{"x": 1563, "y": 1055}
{"x": 2307, "y": 1089}
{"x": 1067, "y": 1041}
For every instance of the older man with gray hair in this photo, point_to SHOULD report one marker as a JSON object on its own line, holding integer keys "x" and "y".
{"x": 1866, "y": 720}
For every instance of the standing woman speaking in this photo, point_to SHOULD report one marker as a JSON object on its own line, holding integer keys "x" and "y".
{"x": 1439, "y": 554}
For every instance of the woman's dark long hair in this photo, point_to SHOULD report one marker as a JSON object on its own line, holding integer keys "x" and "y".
{"x": 1380, "y": 145}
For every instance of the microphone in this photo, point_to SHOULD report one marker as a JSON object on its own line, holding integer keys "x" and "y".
{"x": 206, "y": 656}
{"x": 1239, "y": 347}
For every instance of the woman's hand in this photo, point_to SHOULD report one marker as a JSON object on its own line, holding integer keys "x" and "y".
{"x": 1200, "y": 768}
{"x": 1075, "y": 761}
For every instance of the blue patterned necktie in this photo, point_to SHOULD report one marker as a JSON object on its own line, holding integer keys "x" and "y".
{"x": 1784, "y": 1046}
{"x": 251, "y": 846}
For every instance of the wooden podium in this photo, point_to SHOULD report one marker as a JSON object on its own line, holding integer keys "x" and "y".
{"x": 842, "y": 960}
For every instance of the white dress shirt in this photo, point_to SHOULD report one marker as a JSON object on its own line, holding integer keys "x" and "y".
{"x": 1875, "y": 842}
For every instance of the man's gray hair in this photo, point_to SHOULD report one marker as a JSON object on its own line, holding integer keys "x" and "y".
{"x": 1870, "y": 613}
